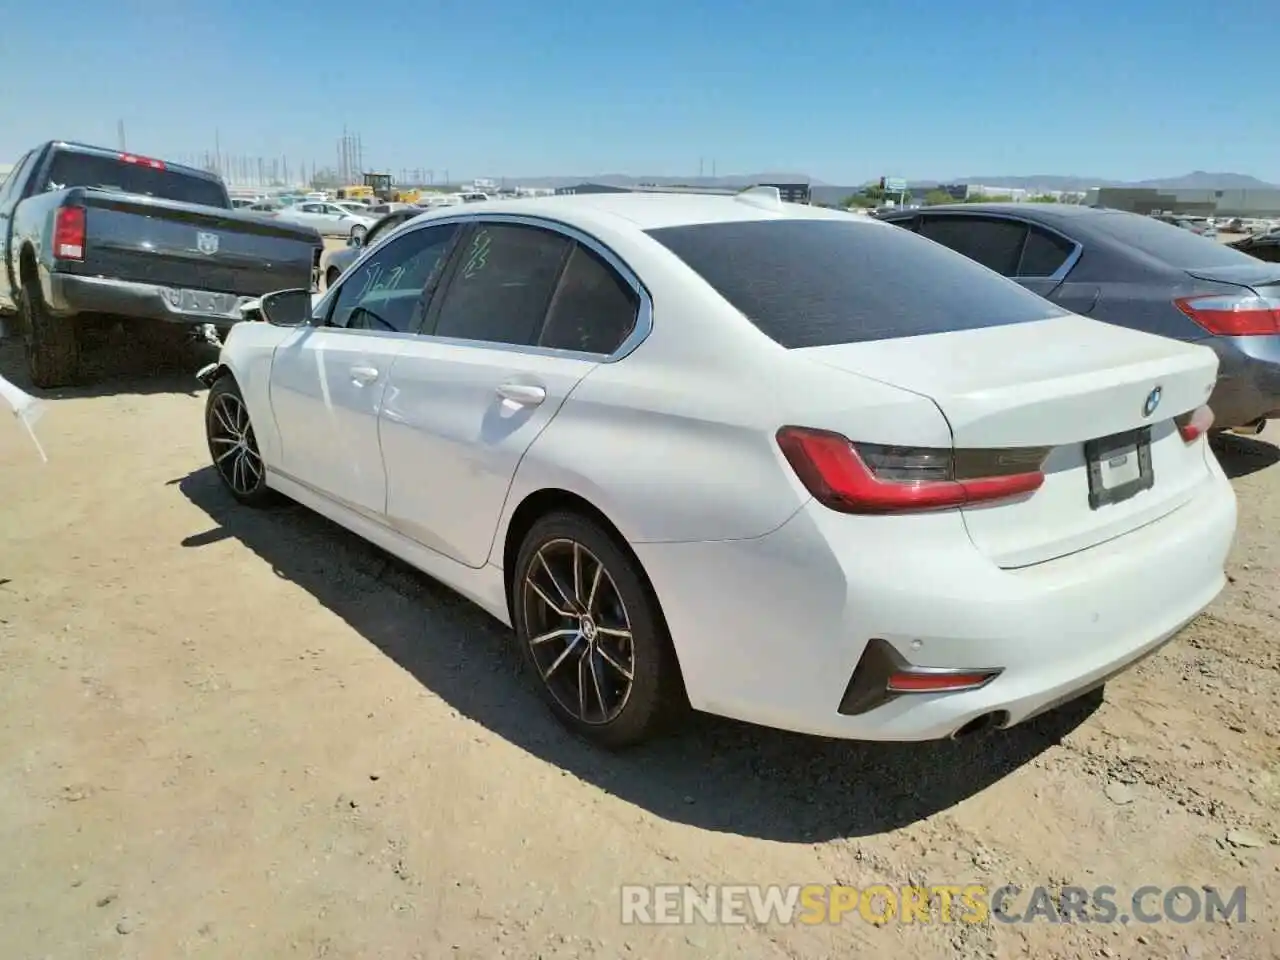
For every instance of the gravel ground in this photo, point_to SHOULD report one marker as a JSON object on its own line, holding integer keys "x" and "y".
{"x": 234, "y": 734}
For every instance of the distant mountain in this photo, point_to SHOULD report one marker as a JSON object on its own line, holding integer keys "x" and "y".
{"x": 624, "y": 180}
{"x": 1198, "y": 180}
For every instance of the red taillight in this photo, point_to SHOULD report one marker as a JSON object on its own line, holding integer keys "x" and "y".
{"x": 1232, "y": 316}
{"x": 872, "y": 478}
{"x": 1195, "y": 424}
{"x": 937, "y": 681}
{"x": 68, "y": 233}
{"x": 143, "y": 161}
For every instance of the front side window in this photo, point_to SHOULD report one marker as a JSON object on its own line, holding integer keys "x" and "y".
{"x": 503, "y": 284}
{"x": 384, "y": 226}
{"x": 386, "y": 292}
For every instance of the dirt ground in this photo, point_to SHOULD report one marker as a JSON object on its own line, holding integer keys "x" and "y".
{"x": 248, "y": 735}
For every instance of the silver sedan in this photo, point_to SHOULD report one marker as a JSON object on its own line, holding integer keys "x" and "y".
{"x": 329, "y": 219}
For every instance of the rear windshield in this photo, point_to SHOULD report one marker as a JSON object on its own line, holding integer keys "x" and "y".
{"x": 108, "y": 173}
{"x": 813, "y": 283}
{"x": 1172, "y": 245}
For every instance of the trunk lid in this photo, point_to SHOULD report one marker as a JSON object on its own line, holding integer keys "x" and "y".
{"x": 1056, "y": 383}
{"x": 188, "y": 246}
{"x": 1254, "y": 275}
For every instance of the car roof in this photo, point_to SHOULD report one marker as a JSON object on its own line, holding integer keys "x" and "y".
{"x": 651, "y": 211}
{"x": 1048, "y": 212}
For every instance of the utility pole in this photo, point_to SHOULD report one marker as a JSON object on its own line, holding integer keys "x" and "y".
{"x": 120, "y": 131}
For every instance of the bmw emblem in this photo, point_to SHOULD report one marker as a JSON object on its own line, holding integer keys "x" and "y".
{"x": 1153, "y": 401}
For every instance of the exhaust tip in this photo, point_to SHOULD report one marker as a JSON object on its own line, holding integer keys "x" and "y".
{"x": 982, "y": 724}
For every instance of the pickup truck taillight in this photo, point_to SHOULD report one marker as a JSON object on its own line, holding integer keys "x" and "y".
{"x": 68, "y": 233}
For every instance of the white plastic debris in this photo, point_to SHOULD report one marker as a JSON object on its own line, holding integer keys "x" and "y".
{"x": 26, "y": 408}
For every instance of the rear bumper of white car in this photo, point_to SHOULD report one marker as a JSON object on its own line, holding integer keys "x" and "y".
{"x": 771, "y": 630}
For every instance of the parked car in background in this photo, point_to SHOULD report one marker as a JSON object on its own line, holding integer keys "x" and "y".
{"x": 1134, "y": 271}
{"x": 358, "y": 207}
{"x": 328, "y": 219}
{"x": 334, "y": 262}
{"x": 1200, "y": 226}
{"x": 382, "y": 209}
{"x": 1263, "y": 246}
{"x": 89, "y": 234}
{"x": 771, "y": 460}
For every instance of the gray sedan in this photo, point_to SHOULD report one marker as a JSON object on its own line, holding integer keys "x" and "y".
{"x": 1134, "y": 271}
{"x": 333, "y": 263}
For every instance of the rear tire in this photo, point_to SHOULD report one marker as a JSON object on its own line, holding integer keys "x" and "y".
{"x": 592, "y": 634}
{"x": 233, "y": 447}
{"x": 52, "y": 343}
{"x": 331, "y": 277}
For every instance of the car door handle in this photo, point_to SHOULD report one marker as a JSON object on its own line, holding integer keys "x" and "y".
{"x": 525, "y": 394}
{"x": 363, "y": 375}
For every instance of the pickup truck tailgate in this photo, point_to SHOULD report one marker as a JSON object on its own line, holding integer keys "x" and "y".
{"x": 183, "y": 245}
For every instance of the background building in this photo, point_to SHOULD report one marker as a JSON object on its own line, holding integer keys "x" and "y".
{"x": 1206, "y": 203}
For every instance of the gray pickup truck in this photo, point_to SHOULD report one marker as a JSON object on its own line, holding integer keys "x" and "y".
{"x": 88, "y": 234}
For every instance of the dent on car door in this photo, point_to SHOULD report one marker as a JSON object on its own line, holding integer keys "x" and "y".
{"x": 524, "y": 315}
{"x": 329, "y": 380}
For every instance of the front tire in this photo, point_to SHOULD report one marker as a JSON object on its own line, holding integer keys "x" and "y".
{"x": 592, "y": 635}
{"x": 52, "y": 343}
{"x": 233, "y": 446}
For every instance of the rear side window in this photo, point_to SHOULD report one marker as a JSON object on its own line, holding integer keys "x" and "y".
{"x": 994, "y": 243}
{"x": 1169, "y": 244}
{"x": 593, "y": 309}
{"x": 111, "y": 173}
{"x": 812, "y": 283}
{"x": 1044, "y": 254}
{"x": 503, "y": 283}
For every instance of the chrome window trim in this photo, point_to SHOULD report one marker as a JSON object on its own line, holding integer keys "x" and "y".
{"x": 644, "y": 314}
{"x": 1077, "y": 248}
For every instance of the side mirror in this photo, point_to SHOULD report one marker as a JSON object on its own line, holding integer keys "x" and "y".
{"x": 286, "y": 308}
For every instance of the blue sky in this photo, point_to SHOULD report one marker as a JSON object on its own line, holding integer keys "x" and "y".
{"x": 1123, "y": 88}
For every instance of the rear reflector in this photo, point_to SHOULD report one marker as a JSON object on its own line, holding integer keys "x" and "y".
{"x": 1195, "y": 424}
{"x": 873, "y": 478}
{"x": 937, "y": 681}
{"x": 1232, "y": 316}
{"x": 68, "y": 233}
{"x": 142, "y": 161}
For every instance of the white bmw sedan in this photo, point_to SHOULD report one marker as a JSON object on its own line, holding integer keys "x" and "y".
{"x": 771, "y": 461}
